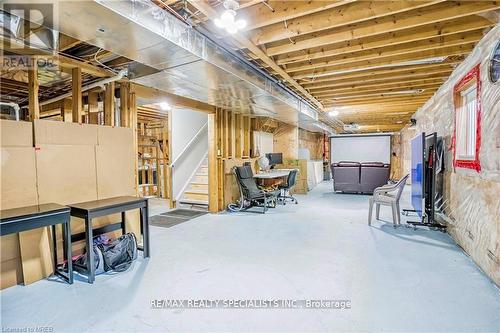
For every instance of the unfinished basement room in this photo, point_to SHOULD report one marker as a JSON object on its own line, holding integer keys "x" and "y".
{"x": 250, "y": 166}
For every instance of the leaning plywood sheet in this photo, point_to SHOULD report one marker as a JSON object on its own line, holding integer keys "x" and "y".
{"x": 115, "y": 162}
{"x": 113, "y": 136}
{"x": 62, "y": 133}
{"x": 18, "y": 188}
{"x": 16, "y": 133}
{"x": 65, "y": 174}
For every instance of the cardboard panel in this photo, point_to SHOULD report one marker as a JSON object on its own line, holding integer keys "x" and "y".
{"x": 116, "y": 173}
{"x": 62, "y": 133}
{"x": 10, "y": 247}
{"x": 18, "y": 188}
{"x": 18, "y": 177}
{"x": 11, "y": 273}
{"x": 66, "y": 173}
{"x": 108, "y": 135}
{"x": 36, "y": 254}
{"x": 16, "y": 133}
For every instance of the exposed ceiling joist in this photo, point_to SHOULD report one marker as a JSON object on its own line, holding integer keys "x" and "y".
{"x": 391, "y": 51}
{"x": 381, "y": 80}
{"x": 262, "y": 15}
{"x": 343, "y": 15}
{"x": 462, "y": 25}
{"x": 381, "y": 84}
{"x": 411, "y": 19}
{"x": 389, "y": 61}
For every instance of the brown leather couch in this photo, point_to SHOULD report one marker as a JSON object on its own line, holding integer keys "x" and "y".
{"x": 355, "y": 177}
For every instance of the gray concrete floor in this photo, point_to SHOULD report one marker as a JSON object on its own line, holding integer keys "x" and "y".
{"x": 397, "y": 279}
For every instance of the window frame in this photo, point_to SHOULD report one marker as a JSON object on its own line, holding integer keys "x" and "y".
{"x": 471, "y": 78}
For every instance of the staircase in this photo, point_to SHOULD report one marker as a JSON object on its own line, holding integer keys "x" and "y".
{"x": 196, "y": 193}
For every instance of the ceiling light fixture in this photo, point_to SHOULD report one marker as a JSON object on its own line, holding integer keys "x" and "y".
{"x": 165, "y": 106}
{"x": 228, "y": 20}
{"x": 333, "y": 113}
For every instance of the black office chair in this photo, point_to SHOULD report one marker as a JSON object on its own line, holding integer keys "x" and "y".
{"x": 250, "y": 194}
{"x": 285, "y": 188}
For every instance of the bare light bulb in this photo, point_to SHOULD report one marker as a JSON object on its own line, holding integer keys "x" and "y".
{"x": 333, "y": 113}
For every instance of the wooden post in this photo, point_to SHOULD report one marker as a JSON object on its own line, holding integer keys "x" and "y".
{"x": 133, "y": 125}
{"x": 124, "y": 108}
{"x": 109, "y": 104}
{"x": 168, "y": 181}
{"x": 77, "y": 94}
{"x": 66, "y": 110}
{"x": 93, "y": 107}
{"x": 238, "y": 142}
{"x": 34, "y": 108}
{"x": 213, "y": 188}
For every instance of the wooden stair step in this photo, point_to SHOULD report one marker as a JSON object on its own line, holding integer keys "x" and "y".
{"x": 196, "y": 191}
{"x": 194, "y": 202}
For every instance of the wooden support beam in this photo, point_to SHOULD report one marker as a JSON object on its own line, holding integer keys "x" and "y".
{"x": 93, "y": 107}
{"x": 285, "y": 10}
{"x": 213, "y": 187}
{"x": 349, "y": 14}
{"x": 388, "y": 71}
{"x": 403, "y": 76}
{"x": 238, "y": 136}
{"x": 133, "y": 124}
{"x": 67, "y": 110}
{"x": 109, "y": 104}
{"x": 66, "y": 42}
{"x": 70, "y": 63}
{"x": 419, "y": 17}
{"x": 437, "y": 43}
{"x": 385, "y": 62}
{"x": 381, "y": 87}
{"x": 76, "y": 99}
{"x": 156, "y": 96}
{"x": 124, "y": 108}
{"x": 33, "y": 86}
{"x": 459, "y": 26}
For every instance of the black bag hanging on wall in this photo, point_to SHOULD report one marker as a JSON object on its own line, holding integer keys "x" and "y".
{"x": 119, "y": 253}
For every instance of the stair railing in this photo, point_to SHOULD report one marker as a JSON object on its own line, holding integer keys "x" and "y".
{"x": 189, "y": 144}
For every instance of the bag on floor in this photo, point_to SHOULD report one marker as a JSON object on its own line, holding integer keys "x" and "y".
{"x": 119, "y": 254}
{"x": 80, "y": 262}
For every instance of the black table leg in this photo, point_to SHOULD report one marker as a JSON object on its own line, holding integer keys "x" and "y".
{"x": 123, "y": 223}
{"x": 145, "y": 230}
{"x": 90, "y": 250}
{"x": 54, "y": 240}
{"x": 67, "y": 248}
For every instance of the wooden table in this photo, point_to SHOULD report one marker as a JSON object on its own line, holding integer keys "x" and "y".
{"x": 92, "y": 209}
{"x": 32, "y": 217}
{"x": 273, "y": 174}
{"x": 273, "y": 177}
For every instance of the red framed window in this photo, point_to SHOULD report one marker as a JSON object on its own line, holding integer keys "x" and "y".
{"x": 467, "y": 135}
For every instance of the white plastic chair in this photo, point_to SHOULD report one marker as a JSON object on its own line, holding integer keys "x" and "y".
{"x": 387, "y": 195}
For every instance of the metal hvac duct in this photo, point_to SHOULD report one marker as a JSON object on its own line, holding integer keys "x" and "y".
{"x": 187, "y": 63}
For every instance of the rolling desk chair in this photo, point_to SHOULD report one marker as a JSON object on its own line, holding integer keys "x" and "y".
{"x": 285, "y": 188}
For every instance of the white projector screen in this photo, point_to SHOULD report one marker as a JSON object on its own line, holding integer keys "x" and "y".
{"x": 375, "y": 148}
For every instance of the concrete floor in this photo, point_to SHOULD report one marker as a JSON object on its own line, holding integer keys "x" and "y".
{"x": 397, "y": 279}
